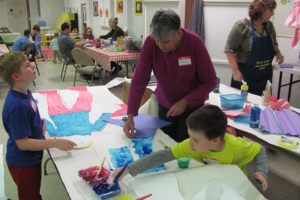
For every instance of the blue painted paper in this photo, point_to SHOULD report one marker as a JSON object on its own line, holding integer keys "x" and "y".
{"x": 77, "y": 123}
{"x": 120, "y": 156}
{"x": 144, "y": 147}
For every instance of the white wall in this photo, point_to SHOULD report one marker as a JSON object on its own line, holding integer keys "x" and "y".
{"x": 76, "y": 4}
{"x": 16, "y": 20}
{"x": 3, "y": 14}
{"x": 50, "y": 10}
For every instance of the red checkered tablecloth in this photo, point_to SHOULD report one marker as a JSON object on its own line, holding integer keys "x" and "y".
{"x": 3, "y": 49}
{"x": 104, "y": 57}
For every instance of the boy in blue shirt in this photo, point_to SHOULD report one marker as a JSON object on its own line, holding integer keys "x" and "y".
{"x": 22, "y": 122}
{"x": 21, "y": 41}
{"x": 208, "y": 143}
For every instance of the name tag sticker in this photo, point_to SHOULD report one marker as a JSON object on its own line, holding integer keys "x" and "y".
{"x": 183, "y": 61}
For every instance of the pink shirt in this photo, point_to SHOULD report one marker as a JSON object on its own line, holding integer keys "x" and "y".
{"x": 185, "y": 73}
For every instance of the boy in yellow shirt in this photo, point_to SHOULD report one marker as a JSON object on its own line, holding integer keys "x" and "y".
{"x": 208, "y": 143}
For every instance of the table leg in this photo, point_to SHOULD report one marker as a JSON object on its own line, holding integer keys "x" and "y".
{"x": 290, "y": 87}
{"x": 279, "y": 85}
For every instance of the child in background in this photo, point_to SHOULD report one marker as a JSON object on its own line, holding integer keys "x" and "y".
{"x": 22, "y": 122}
{"x": 88, "y": 34}
{"x": 37, "y": 37}
{"x": 54, "y": 46}
{"x": 208, "y": 143}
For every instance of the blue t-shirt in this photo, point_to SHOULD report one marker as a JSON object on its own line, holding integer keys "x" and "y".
{"x": 18, "y": 44}
{"x": 21, "y": 119}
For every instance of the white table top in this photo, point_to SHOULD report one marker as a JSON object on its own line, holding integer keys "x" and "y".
{"x": 69, "y": 163}
{"x": 214, "y": 98}
{"x": 295, "y": 70}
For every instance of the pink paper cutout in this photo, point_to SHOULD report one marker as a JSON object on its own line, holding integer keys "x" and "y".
{"x": 56, "y": 106}
{"x": 78, "y": 88}
{"x": 48, "y": 91}
{"x": 232, "y": 113}
{"x": 120, "y": 112}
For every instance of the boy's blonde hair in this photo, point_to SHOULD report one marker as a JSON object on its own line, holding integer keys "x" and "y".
{"x": 10, "y": 63}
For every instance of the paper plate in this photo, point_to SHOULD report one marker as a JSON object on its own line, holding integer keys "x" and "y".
{"x": 82, "y": 142}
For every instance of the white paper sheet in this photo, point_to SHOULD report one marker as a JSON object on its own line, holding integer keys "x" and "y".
{"x": 215, "y": 190}
{"x": 161, "y": 186}
{"x": 69, "y": 97}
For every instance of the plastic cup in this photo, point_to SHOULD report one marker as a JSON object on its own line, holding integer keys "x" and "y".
{"x": 183, "y": 162}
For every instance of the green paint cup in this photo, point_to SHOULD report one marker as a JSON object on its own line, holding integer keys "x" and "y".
{"x": 183, "y": 162}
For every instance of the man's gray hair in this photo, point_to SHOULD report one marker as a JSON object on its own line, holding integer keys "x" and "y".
{"x": 164, "y": 23}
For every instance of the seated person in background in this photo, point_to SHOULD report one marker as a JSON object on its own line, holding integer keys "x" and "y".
{"x": 115, "y": 32}
{"x": 66, "y": 44}
{"x": 21, "y": 41}
{"x": 54, "y": 46}
{"x": 208, "y": 143}
{"x": 29, "y": 50}
{"x": 88, "y": 34}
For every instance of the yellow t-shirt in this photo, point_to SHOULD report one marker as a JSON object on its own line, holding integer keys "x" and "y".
{"x": 237, "y": 151}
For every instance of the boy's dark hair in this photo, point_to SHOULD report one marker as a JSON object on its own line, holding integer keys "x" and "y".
{"x": 27, "y": 32}
{"x": 65, "y": 26}
{"x": 208, "y": 119}
{"x": 10, "y": 63}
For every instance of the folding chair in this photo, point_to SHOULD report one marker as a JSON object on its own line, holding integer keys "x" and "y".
{"x": 84, "y": 64}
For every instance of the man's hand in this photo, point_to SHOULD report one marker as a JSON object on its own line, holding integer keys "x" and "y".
{"x": 262, "y": 180}
{"x": 178, "y": 108}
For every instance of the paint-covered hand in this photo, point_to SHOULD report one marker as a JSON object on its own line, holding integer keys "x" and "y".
{"x": 178, "y": 108}
{"x": 129, "y": 127}
{"x": 262, "y": 180}
{"x": 117, "y": 171}
{"x": 64, "y": 144}
{"x": 279, "y": 58}
{"x": 237, "y": 75}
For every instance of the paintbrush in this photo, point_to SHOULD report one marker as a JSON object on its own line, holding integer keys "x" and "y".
{"x": 99, "y": 170}
{"x": 116, "y": 179}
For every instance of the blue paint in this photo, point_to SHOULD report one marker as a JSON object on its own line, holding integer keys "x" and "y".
{"x": 144, "y": 147}
{"x": 104, "y": 192}
{"x": 120, "y": 156}
{"x": 77, "y": 123}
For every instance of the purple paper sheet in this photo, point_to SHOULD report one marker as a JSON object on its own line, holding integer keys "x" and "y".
{"x": 141, "y": 122}
{"x": 145, "y": 133}
{"x": 284, "y": 122}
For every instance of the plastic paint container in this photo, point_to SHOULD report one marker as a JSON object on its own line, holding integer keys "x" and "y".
{"x": 183, "y": 162}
